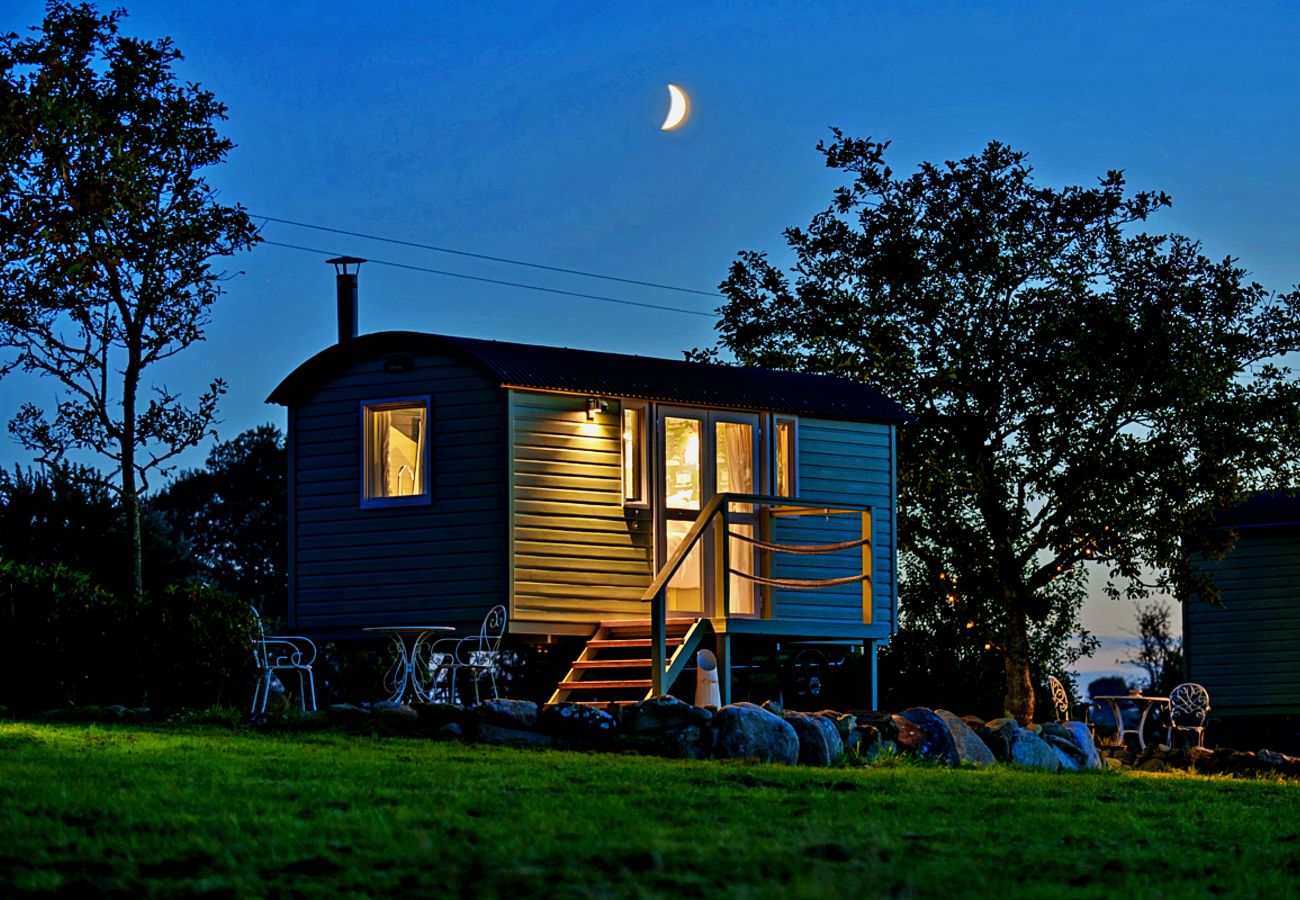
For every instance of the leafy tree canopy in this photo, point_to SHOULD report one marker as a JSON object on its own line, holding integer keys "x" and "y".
{"x": 232, "y": 515}
{"x": 1083, "y": 390}
{"x": 108, "y": 231}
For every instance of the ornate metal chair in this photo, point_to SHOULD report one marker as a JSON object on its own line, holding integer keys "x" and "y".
{"x": 477, "y": 655}
{"x": 1189, "y": 707}
{"x": 274, "y": 653}
{"x": 1061, "y": 705}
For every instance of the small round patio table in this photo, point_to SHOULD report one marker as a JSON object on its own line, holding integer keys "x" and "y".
{"x": 407, "y": 677}
{"x": 1148, "y": 703}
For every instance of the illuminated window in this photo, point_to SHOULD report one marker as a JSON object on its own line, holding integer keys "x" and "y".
{"x": 634, "y": 454}
{"x": 785, "y": 461}
{"x": 395, "y": 460}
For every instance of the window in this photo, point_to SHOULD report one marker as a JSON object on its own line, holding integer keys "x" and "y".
{"x": 395, "y": 458}
{"x": 634, "y": 454}
{"x": 784, "y": 467}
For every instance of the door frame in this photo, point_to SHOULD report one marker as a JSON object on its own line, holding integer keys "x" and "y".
{"x": 709, "y": 418}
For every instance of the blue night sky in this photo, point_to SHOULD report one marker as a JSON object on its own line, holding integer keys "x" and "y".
{"x": 531, "y": 131}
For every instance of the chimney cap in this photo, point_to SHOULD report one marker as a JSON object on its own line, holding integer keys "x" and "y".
{"x": 341, "y": 263}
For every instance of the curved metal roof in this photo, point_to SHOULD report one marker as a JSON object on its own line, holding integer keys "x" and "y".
{"x": 612, "y": 375}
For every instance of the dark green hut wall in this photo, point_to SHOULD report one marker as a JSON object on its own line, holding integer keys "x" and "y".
{"x": 443, "y": 562}
{"x": 848, "y": 462}
{"x": 577, "y": 555}
{"x": 1247, "y": 653}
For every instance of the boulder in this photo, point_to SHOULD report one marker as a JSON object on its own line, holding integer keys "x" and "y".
{"x": 845, "y": 723}
{"x": 997, "y": 735}
{"x": 578, "y": 722}
{"x": 488, "y": 733}
{"x": 937, "y": 742}
{"x": 1028, "y": 749}
{"x": 399, "y": 714}
{"x": 661, "y": 714}
{"x": 746, "y": 730}
{"x": 1083, "y": 740}
{"x": 434, "y": 716}
{"x": 974, "y": 723}
{"x": 1065, "y": 751}
{"x": 905, "y": 734}
{"x": 820, "y": 743}
{"x": 347, "y": 714}
{"x": 1075, "y": 741}
{"x": 970, "y": 749}
{"x": 521, "y": 714}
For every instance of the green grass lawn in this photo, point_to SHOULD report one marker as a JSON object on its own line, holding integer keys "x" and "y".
{"x": 136, "y": 811}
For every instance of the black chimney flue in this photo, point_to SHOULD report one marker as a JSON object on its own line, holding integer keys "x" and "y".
{"x": 347, "y": 294}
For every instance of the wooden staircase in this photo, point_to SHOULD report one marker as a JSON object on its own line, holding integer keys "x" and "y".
{"x": 615, "y": 666}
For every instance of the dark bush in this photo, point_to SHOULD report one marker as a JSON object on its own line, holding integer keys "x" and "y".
{"x": 66, "y": 641}
{"x": 195, "y": 647}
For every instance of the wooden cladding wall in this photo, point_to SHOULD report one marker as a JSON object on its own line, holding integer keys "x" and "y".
{"x": 849, "y": 462}
{"x": 443, "y": 562}
{"x": 1247, "y": 652}
{"x": 578, "y": 557}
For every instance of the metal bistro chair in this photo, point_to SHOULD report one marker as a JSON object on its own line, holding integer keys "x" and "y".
{"x": 1188, "y": 703}
{"x": 274, "y": 653}
{"x": 477, "y": 655}
{"x": 1061, "y": 705}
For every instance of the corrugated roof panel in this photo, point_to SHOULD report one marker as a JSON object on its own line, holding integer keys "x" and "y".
{"x": 618, "y": 375}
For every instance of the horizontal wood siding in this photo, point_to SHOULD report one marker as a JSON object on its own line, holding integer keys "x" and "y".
{"x": 444, "y": 562}
{"x": 846, "y": 462}
{"x": 577, "y": 556}
{"x": 1247, "y": 652}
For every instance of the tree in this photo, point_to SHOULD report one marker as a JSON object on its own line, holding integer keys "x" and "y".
{"x": 1082, "y": 391}
{"x": 233, "y": 516}
{"x": 107, "y": 235}
{"x": 1159, "y": 653}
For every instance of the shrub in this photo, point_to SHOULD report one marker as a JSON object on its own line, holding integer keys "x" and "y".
{"x": 64, "y": 640}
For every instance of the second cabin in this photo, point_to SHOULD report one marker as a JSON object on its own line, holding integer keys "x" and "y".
{"x": 595, "y": 495}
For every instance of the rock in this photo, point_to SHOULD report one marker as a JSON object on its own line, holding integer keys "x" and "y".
{"x": 687, "y": 742}
{"x": 774, "y": 707}
{"x": 487, "y": 733}
{"x": 970, "y": 749}
{"x": 346, "y": 714}
{"x": 1066, "y": 752}
{"x": 997, "y": 735}
{"x": 905, "y": 735}
{"x": 578, "y": 722}
{"x": 1028, "y": 749}
{"x": 661, "y": 714}
{"x": 521, "y": 714}
{"x": 937, "y": 742}
{"x": 746, "y": 730}
{"x": 1083, "y": 740}
{"x": 974, "y": 723}
{"x": 845, "y": 723}
{"x": 820, "y": 743}
{"x": 396, "y": 713}
{"x": 435, "y": 715}
{"x": 450, "y": 730}
{"x": 1273, "y": 758}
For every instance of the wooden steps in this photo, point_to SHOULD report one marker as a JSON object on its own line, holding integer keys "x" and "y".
{"x": 617, "y": 659}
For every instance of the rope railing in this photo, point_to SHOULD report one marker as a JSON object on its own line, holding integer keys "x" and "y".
{"x": 800, "y": 583}
{"x": 810, "y": 549}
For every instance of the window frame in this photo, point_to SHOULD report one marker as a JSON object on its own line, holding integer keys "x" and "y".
{"x": 425, "y": 497}
{"x": 643, "y": 439}
{"x": 793, "y": 422}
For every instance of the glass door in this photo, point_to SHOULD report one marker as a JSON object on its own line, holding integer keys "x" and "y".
{"x": 703, "y": 453}
{"x": 736, "y": 457}
{"x": 682, "y": 496}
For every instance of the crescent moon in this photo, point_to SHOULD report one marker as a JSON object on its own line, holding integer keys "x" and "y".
{"x": 679, "y": 109}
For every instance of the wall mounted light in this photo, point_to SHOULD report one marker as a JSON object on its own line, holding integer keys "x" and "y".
{"x": 596, "y": 405}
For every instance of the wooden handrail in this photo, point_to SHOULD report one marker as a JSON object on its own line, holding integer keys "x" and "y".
{"x": 656, "y": 595}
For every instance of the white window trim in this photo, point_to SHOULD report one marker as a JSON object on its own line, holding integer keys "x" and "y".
{"x": 777, "y": 421}
{"x": 425, "y": 497}
{"x": 646, "y": 458}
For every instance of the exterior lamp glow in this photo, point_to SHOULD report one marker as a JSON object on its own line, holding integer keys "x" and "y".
{"x": 596, "y": 405}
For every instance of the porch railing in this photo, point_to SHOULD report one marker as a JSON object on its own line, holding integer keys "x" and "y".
{"x": 719, "y": 514}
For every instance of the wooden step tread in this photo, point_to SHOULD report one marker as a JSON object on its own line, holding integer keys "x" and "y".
{"x": 604, "y": 685}
{"x": 614, "y": 643}
{"x": 671, "y": 624}
{"x": 611, "y": 664}
{"x": 598, "y": 703}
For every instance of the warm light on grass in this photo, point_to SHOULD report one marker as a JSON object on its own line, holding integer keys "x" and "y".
{"x": 138, "y": 811}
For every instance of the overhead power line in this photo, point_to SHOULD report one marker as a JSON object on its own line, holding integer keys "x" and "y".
{"x": 499, "y": 281}
{"x": 500, "y": 259}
